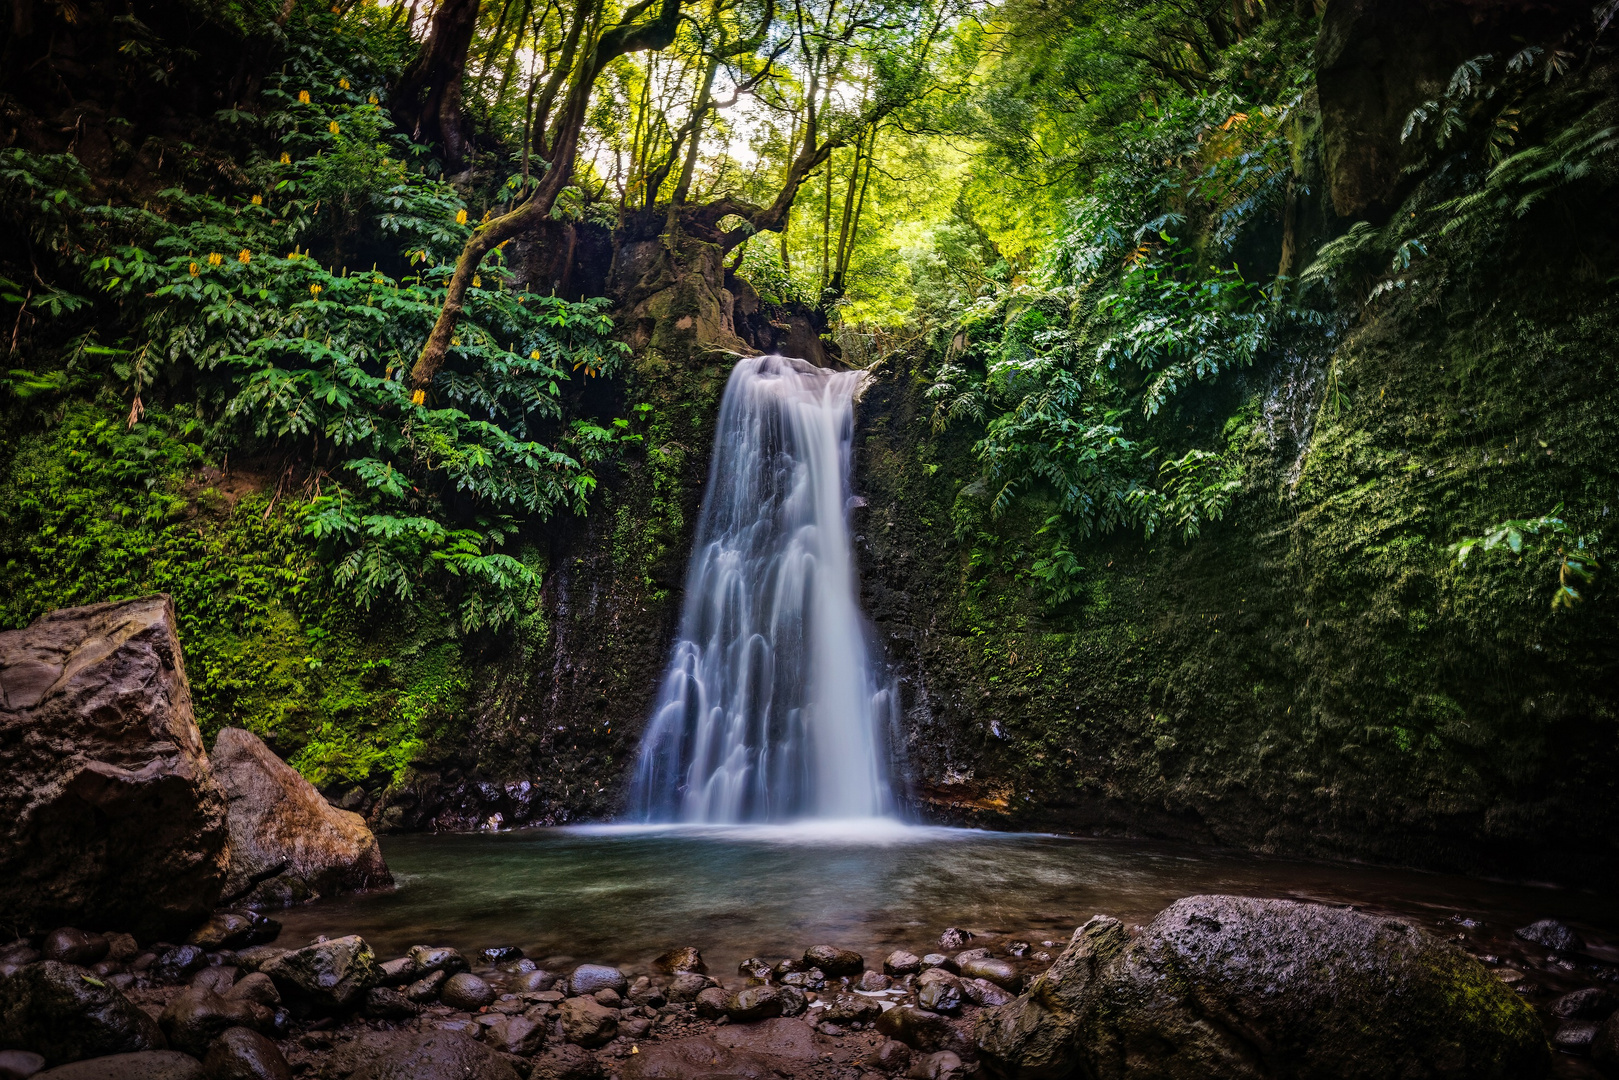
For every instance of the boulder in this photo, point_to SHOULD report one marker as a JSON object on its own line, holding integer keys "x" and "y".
{"x": 711, "y": 1003}
{"x": 565, "y": 1061}
{"x": 52, "y": 1009}
{"x": 142, "y": 1065}
{"x": 1575, "y": 1036}
{"x": 793, "y": 1001}
{"x": 685, "y": 958}
{"x": 240, "y": 1054}
{"x": 515, "y": 1035}
{"x": 942, "y": 994}
{"x": 109, "y": 815}
{"x": 998, "y": 972}
{"x": 917, "y": 1028}
{"x": 178, "y": 964}
{"x": 953, "y": 938}
{"x": 983, "y": 992}
{"x": 256, "y": 957}
{"x": 501, "y": 954}
{"x": 426, "y": 988}
{"x": 753, "y": 1003}
{"x": 1553, "y": 934}
{"x": 687, "y": 985}
{"x": 834, "y": 961}
{"x": 330, "y": 976}
{"x": 890, "y": 1056}
{"x": 755, "y": 967}
{"x": 19, "y": 1064}
{"x": 384, "y": 1003}
{"x": 900, "y": 963}
{"x": 589, "y": 978}
{"x": 256, "y": 987}
{"x": 234, "y": 930}
{"x": 587, "y": 1023}
{"x": 440, "y": 1055}
{"x": 466, "y": 992}
{"x": 873, "y": 981}
{"x": 1604, "y": 1048}
{"x": 1244, "y": 988}
{"x": 852, "y": 1009}
{"x": 426, "y": 958}
{"x": 287, "y": 843}
{"x": 1591, "y": 1003}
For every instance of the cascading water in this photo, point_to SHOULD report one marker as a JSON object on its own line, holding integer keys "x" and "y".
{"x": 771, "y": 708}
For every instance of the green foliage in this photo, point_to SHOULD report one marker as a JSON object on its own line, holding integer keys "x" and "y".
{"x": 1577, "y": 564}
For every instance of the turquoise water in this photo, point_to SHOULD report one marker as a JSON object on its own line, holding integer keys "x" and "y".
{"x": 625, "y": 894}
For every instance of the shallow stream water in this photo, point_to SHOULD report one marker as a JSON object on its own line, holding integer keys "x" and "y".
{"x": 622, "y": 895}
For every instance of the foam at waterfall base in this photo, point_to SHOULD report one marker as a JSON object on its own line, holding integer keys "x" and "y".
{"x": 847, "y": 832}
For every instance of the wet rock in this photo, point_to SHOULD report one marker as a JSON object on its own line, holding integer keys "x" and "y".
{"x": 589, "y": 978}
{"x": 891, "y": 1056}
{"x": 113, "y": 818}
{"x": 786, "y": 967}
{"x": 1604, "y": 1048}
{"x": 19, "y": 1064}
{"x": 998, "y": 972}
{"x": 608, "y": 997}
{"x": 953, "y": 939}
{"x": 675, "y": 961}
{"x": 941, "y": 994}
{"x": 1017, "y": 949}
{"x": 178, "y": 964}
{"x": 1552, "y": 934}
{"x": 256, "y": 987}
{"x": 48, "y": 1007}
{"x": 439, "y": 1055}
{"x": 198, "y": 1015}
{"x": 427, "y": 959}
{"x": 937, "y": 1066}
{"x": 939, "y": 960}
{"x": 711, "y": 1003}
{"x": 699, "y": 1058}
{"x": 983, "y": 992}
{"x": 254, "y": 958}
{"x": 565, "y": 1062}
{"x": 787, "y": 1042}
{"x": 330, "y": 976}
{"x": 917, "y": 1028}
{"x": 793, "y": 1000}
{"x": 501, "y": 954}
{"x": 754, "y": 968}
{"x": 70, "y": 946}
{"x": 647, "y": 995}
{"x": 240, "y": 1054}
{"x": 848, "y": 1009}
{"x": 235, "y": 929}
{"x": 967, "y": 955}
{"x": 385, "y": 1003}
{"x": 687, "y": 985}
{"x": 588, "y": 1024}
{"x": 396, "y": 972}
{"x": 466, "y": 992}
{"x": 142, "y": 1065}
{"x": 427, "y": 988}
{"x": 521, "y": 966}
{"x": 1325, "y": 992}
{"x": 515, "y": 1035}
{"x": 833, "y": 960}
{"x": 15, "y": 956}
{"x": 813, "y": 979}
{"x": 287, "y": 843}
{"x": 1575, "y": 1036}
{"x": 900, "y": 964}
{"x": 1591, "y": 1003}
{"x": 872, "y": 981}
{"x": 753, "y": 1003}
{"x": 533, "y": 982}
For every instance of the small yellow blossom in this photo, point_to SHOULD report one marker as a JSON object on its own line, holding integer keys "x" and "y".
{"x": 216, "y": 259}
{"x": 477, "y": 281}
{"x": 535, "y": 355}
{"x": 373, "y": 99}
{"x": 314, "y": 290}
{"x": 460, "y": 217}
{"x": 332, "y": 127}
{"x": 344, "y": 83}
{"x": 195, "y": 269}
{"x": 419, "y": 397}
{"x": 258, "y": 200}
{"x": 303, "y": 97}
{"x": 244, "y": 256}
{"x": 286, "y": 158}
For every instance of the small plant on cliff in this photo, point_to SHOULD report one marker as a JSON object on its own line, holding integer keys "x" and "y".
{"x": 1577, "y": 564}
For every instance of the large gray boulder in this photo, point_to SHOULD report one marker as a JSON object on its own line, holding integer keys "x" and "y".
{"x": 109, "y": 816}
{"x": 1233, "y": 988}
{"x": 287, "y": 843}
{"x": 53, "y": 1010}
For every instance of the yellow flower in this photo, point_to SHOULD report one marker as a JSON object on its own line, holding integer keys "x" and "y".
{"x": 419, "y": 397}
{"x": 216, "y": 259}
{"x": 477, "y": 281}
{"x": 314, "y": 290}
{"x": 373, "y": 99}
{"x": 286, "y": 158}
{"x": 535, "y": 355}
{"x": 292, "y": 255}
{"x": 332, "y": 127}
{"x": 344, "y": 83}
{"x": 303, "y": 97}
{"x": 258, "y": 200}
{"x": 195, "y": 269}
{"x": 460, "y": 217}
{"x": 244, "y": 256}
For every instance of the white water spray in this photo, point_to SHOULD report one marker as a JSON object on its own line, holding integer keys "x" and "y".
{"x": 771, "y": 708}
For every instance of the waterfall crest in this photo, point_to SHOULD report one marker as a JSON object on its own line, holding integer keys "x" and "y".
{"x": 771, "y": 708}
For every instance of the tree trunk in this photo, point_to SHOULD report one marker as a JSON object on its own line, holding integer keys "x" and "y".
{"x": 427, "y": 102}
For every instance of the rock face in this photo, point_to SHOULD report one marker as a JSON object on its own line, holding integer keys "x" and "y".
{"x": 108, "y": 813}
{"x": 50, "y": 1009}
{"x": 1238, "y": 988}
{"x": 331, "y": 976}
{"x": 287, "y": 843}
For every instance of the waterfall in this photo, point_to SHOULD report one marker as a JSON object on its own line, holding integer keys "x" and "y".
{"x": 771, "y": 707}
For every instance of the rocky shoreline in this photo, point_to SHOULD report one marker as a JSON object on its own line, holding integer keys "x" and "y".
{"x": 1214, "y": 987}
